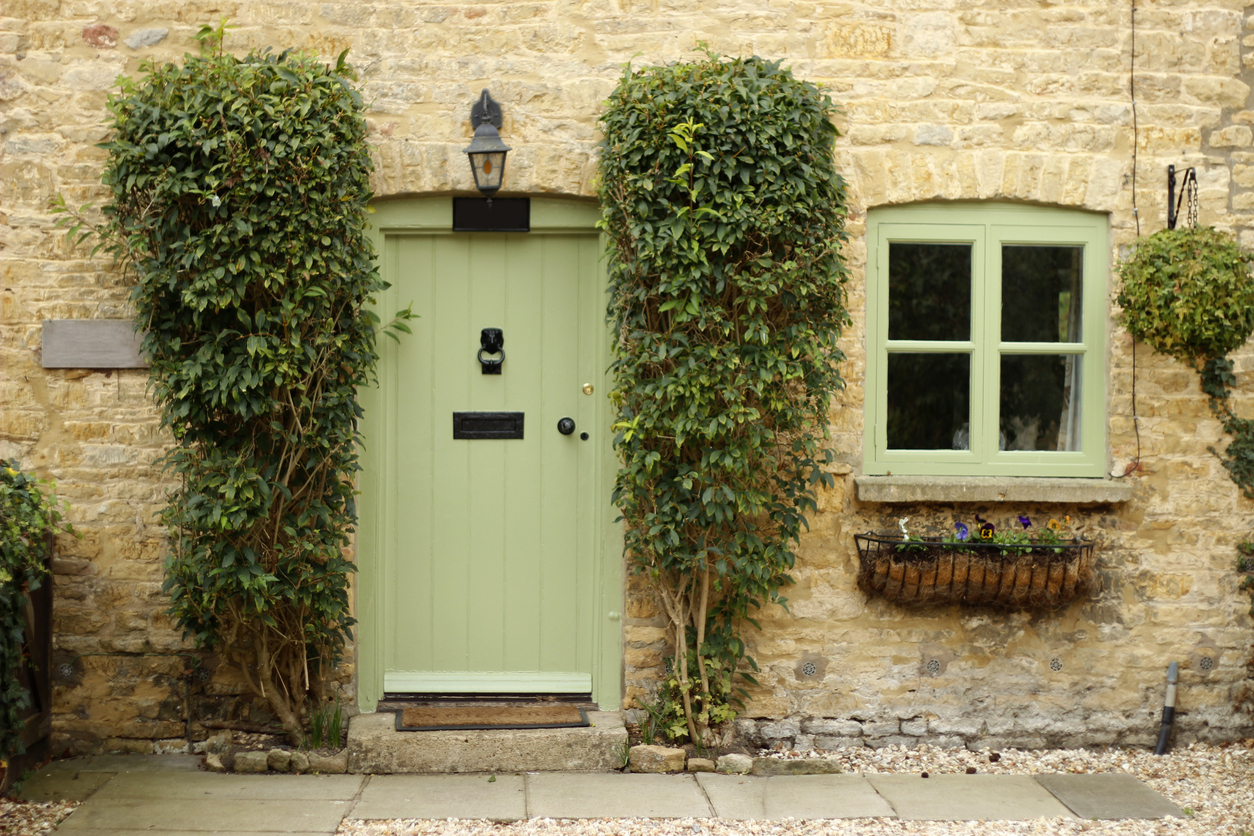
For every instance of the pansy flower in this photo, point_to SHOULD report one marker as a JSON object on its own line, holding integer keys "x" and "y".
{"x": 1024, "y": 521}
{"x": 964, "y": 533}
{"x": 987, "y": 529}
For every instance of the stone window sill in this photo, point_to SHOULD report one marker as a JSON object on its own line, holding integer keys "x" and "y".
{"x": 903, "y": 489}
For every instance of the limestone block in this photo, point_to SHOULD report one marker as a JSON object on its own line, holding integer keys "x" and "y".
{"x": 735, "y": 764}
{"x": 859, "y": 39}
{"x": 219, "y": 743}
{"x": 641, "y": 657}
{"x": 781, "y": 729}
{"x": 959, "y": 726}
{"x": 881, "y": 728}
{"x": 213, "y": 763}
{"x": 1235, "y": 136}
{"x": 251, "y": 762}
{"x": 832, "y": 742}
{"x": 891, "y": 740}
{"x": 656, "y": 759}
{"x": 823, "y": 726}
{"x": 1215, "y": 90}
{"x": 914, "y": 728}
{"x": 701, "y": 765}
{"x": 278, "y": 760}
{"x": 101, "y": 35}
{"x": 334, "y": 764}
{"x": 299, "y": 763}
{"x": 933, "y": 135}
{"x": 141, "y": 38}
{"x": 770, "y": 767}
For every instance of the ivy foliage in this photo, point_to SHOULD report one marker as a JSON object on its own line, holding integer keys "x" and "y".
{"x": 239, "y": 191}
{"x": 725, "y": 216}
{"x": 1188, "y": 294}
{"x": 29, "y": 514}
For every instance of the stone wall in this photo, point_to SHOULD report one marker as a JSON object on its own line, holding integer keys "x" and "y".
{"x": 942, "y": 100}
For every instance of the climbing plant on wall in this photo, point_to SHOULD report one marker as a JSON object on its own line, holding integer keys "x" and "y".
{"x": 239, "y": 191}
{"x": 1189, "y": 293}
{"x": 30, "y": 514}
{"x": 725, "y": 216}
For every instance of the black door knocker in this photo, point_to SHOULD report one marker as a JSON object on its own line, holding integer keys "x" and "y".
{"x": 491, "y": 341}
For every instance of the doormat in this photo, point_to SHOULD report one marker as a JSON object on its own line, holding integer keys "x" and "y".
{"x": 486, "y": 717}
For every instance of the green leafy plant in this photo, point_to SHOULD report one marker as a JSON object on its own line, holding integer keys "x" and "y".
{"x": 725, "y": 217}
{"x": 326, "y": 727}
{"x": 29, "y": 514}
{"x": 1188, "y": 293}
{"x": 239, "y": 191}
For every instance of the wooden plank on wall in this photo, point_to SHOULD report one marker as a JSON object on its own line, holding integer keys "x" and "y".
{"x": 91, "y": 344}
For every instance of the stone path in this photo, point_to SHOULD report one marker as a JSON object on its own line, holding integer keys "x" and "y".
{"x": 169, "y": 795}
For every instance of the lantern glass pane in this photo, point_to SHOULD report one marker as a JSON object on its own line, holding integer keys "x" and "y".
{"x": 488, "y": 169}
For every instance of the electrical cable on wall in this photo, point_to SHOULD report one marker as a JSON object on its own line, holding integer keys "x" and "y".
{"x": 1136, "y": 422}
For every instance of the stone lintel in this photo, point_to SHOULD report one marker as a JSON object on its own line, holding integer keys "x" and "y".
{"x": 949, "y": 489}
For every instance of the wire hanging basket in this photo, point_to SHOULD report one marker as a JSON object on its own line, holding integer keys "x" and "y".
{"x": 1029, "y": 575}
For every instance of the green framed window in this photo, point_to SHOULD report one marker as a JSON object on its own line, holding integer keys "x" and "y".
{"x": 986, "y": 341}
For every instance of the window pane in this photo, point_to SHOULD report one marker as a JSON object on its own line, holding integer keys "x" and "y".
{"x": 1040, "y": 402}
{"x": 929, "y": 291}
{"x": 929, "y": 401}
{"x": 1040, "y": 294}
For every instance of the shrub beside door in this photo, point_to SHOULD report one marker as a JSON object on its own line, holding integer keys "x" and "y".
{"x": 35, "y": 676}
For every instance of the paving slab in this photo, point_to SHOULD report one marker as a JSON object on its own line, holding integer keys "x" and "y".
{"x": 62, "y": 785}
{"x": 443, "y": 797}
{"x": 749, "y": 798}
{"x": 615, "y": 795}
{"x": 205, "y": 815}
{"x": 230, "y": 787}
{"x": 1108, "y": 796}
{"x": 134, "y": 763}
{"x": 968, "y": 797}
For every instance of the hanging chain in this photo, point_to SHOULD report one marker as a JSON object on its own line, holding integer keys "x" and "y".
{"x": 1190, "y": 188}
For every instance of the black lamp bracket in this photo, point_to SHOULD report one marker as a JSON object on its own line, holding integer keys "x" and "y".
{"x": 487, "y": 110}
{"x": 1188, "y": 186}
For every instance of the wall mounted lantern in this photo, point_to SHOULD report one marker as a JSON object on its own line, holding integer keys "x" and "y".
{"x": 486, "y": 151}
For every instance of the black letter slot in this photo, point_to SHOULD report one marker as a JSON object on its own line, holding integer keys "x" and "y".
{"x": 487, "y": 425}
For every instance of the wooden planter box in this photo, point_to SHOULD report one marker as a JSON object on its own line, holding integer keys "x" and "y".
{"x": 35, "y": 676}
{"x": 1021, "y": 576}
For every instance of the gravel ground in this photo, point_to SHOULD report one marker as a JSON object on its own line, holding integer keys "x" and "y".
{"x": 1214, "y": 785}
{"x": 32, "y": 818}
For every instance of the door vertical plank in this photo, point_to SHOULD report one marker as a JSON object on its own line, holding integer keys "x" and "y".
{"x": 484, "y": 517}
{"x": 591, "y": 319}
{"x": 450, "y": 377}
{"x": 559, "y": 558}
{"x": 524, "y": 499}
{"x": 416, "y": 421}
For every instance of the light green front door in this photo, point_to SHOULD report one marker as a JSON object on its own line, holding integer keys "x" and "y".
{"x": 482, "y": 558}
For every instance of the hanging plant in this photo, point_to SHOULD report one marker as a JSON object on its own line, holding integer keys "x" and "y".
{"x": 725, "y": 216}
{"x": 1188, "y": 293}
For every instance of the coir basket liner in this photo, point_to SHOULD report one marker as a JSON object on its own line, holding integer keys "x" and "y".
{"x": 1031, "y": 575}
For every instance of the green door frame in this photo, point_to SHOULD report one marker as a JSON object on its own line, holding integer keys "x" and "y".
{"x": 376, "y": 547}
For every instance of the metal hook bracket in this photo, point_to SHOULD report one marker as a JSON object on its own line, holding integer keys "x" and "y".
{"x": 1188, "y": 187}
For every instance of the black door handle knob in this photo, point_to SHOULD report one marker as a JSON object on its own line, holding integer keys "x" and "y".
{"x": 566, "y": 426}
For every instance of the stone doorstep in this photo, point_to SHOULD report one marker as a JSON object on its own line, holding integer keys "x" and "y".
{"x": 376, "y": 747}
